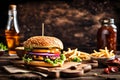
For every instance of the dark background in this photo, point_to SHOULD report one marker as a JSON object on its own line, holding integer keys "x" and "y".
{"x": 75, "y": 22}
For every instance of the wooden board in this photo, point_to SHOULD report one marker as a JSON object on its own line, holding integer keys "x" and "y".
{"x": 69, "y": 69}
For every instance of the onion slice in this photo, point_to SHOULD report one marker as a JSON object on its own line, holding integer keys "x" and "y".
{"x": 44, "y": 54}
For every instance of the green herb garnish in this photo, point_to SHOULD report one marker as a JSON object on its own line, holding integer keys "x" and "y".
{"x": 56, "y": 61}
{"x": 49, "y": 61}
{"x": 3, "y": 47}
{"x": 76, "y": 59}
{"x": 28, "y": 49}
{"x": 26, "y": 58}
{"x": 62, "y": 57}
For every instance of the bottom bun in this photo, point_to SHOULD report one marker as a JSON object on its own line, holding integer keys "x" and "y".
{"x": 42, "y": 64}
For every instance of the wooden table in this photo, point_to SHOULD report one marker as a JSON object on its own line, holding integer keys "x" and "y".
{"x": 94, "y": 74}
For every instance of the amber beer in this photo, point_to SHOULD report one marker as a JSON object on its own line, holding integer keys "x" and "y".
{"x": 12, "y": 39}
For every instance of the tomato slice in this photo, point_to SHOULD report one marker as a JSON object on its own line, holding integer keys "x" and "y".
{"x": 106, "y": 70}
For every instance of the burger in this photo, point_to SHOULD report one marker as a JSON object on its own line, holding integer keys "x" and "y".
{"x": 43, "y": 51}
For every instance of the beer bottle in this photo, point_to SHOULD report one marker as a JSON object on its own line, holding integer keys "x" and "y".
{"x": 114, "y": 36}
{"x": 12, "y": 31}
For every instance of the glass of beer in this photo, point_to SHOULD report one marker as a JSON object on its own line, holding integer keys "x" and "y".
{"x": 12, "y": 39}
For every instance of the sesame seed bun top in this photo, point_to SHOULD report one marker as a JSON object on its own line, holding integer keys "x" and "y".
{"x": 43, "y": 42}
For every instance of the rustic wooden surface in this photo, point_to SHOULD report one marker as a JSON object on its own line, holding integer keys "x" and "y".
{"x": 94, "y": 74}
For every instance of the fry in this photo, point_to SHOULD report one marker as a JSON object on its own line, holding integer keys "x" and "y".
{"x": 103, "y": 53}
{"x": 72, "y": 53}
{"x": 95, "y": 51}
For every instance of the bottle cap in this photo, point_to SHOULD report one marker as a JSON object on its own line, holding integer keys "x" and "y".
{"x": 12, "y": 7}
{"x": 105, "y": 21}
{"x": 111, "y": 20}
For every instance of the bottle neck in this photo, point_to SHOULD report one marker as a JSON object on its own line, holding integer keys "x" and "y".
{"x": 105, "y": 24}
{"x": 12, "y": 20}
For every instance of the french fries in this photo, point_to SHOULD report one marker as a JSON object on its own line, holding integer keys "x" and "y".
{"x": 103, "y": 53}
{"x": 72, "y": 53}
